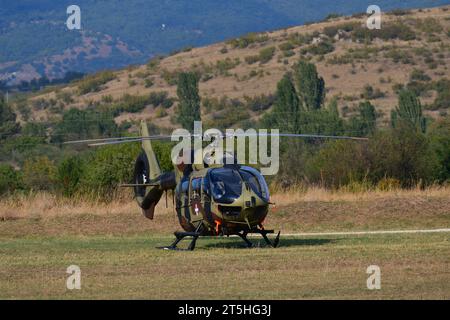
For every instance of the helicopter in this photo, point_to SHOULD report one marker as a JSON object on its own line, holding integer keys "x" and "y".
{"x": 212, "y": 198}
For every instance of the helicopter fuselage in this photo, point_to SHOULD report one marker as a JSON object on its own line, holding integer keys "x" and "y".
{"x": 226, "y": 200}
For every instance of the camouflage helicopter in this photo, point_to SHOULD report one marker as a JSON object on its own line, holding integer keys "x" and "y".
{"x": 220, "y": 199}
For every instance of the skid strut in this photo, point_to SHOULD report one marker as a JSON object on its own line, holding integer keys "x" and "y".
{"x": 263, "y": 233}
{"x": 181, "y": 235}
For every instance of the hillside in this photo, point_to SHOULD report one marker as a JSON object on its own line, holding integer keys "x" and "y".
{"x": 35, "y": 41}
{"x": 412, "y": 48}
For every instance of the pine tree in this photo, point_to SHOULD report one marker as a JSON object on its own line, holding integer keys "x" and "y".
{"x": 8, "y": 124}
{"x": 409, "y": 111}
{"x": 287, "y": 106}
{"x": 311, "y": 87}
{"x": 189, "y": 100}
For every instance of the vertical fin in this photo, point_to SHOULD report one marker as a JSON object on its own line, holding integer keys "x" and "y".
{"x": 155, "y": 170}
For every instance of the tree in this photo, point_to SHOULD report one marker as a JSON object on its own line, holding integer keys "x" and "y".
{"x": 189, "y": 100}
{"x": 10, "y": 179}
{"x": 439, "y": 135}
{"x": 286, "y": 111}
{"x": 311, "y": 87}
{"x": 70, "y": 171}
{"x": 409, "y": 111}
{"x": 365, "y": 123}
{"x": 8, "y": 124}
{"x": 84, "y": 124}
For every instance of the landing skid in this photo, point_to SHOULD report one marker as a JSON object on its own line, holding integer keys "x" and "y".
{"x": 264, "y": 234}
{"x": 243, "y": 235}
{"x": 181, "y": 235}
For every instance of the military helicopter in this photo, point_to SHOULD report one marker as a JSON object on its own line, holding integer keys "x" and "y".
{"x": 220, "y": 199}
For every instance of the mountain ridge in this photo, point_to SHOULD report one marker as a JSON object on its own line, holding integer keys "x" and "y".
{"x": 142, "y": 29}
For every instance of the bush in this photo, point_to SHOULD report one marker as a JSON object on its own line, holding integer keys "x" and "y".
{"x": 404, "y": 154}
{"x": 10, "y": 179}
{"x": 321, "y": 48}
{"x": 248, "y": 39}
{"x": 337, "y": 164}
{"x": 148, "y": 83}
{"x": 69, "y": 173}
{"x": 94, "y": 83}
{"x": 158, "y": 98}
{"x": 442, "y": 100}
{"x": 39, "y": 173}
{"x": 265, "y": 55}
{"x": 439, "y": 135}
{"x": 419, "y": 75}
{"x": 108, "y": 167}
{"x": 84, "y": 124}
{"x": 251, "y": 59}
{"x": 259, "y": 103}
{"x": 370, "y": 93}
{"x": 389, "y": 31}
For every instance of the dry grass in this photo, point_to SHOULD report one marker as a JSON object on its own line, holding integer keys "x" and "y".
{"x": 115, "y": 247}
{"x": 46, "y": 205}
{"x": 313, "y": 194}
{"x": 308, "y": 211}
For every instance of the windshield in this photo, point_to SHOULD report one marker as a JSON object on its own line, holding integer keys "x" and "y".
{"x": 226, "y": 185}
{"x": 255, "y": 181}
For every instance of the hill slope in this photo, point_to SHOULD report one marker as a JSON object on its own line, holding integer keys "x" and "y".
{"x": 35, "y": 41}
{"x": 411, "y": 48}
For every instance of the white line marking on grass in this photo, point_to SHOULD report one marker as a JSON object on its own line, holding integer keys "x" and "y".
{"x": 364, "y": 232}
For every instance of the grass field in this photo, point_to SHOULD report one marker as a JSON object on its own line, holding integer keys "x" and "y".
{"x": 115, "y": 250}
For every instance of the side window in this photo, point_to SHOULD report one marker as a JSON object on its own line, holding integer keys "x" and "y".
{"x": 196, "y": 186}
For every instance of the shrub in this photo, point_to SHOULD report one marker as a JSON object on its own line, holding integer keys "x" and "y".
{"x": 157, "y": 98}
{"x": 259, "y": 103}
{"x": 251, "y": 59}
{"x": 84, "y": 124}
{"x": 224, "y": 65}
{"x": 439, "y": 135}
{"x": 131, "y": 103}
{"x": 246, "y": 40}
{"x": 442, "y": 100}
{"x": 10, "y": 179}
{"x": 370, "y": 93}
{"x": 69, "y": 174}
{"x": 419, "y": 75}
{"x": 8, "y": 124}
{"x": 388, "y": 184}
{"x": 321, "y": 48}
{"x": 94, "y": 83}
{"x": 39, "y": 173}
{"x": 148, "y": 83}
{"x": 266, "y": 54}
{"x": 404, "y": 154}
{"x": 286, "y": 46}
{"x": 337, "y": 164}
{"x": 108, "y": 167}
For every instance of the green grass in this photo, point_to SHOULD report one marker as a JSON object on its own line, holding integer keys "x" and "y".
{"x": 412, "y": 266}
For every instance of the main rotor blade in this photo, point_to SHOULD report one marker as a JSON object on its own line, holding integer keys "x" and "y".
{"x": 120, "y": 140}
{"x": 296, "y": 135}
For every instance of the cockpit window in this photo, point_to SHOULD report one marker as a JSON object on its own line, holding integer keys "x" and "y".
{"x": 225, "y": 184}
{"x": 256, "y": 181}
